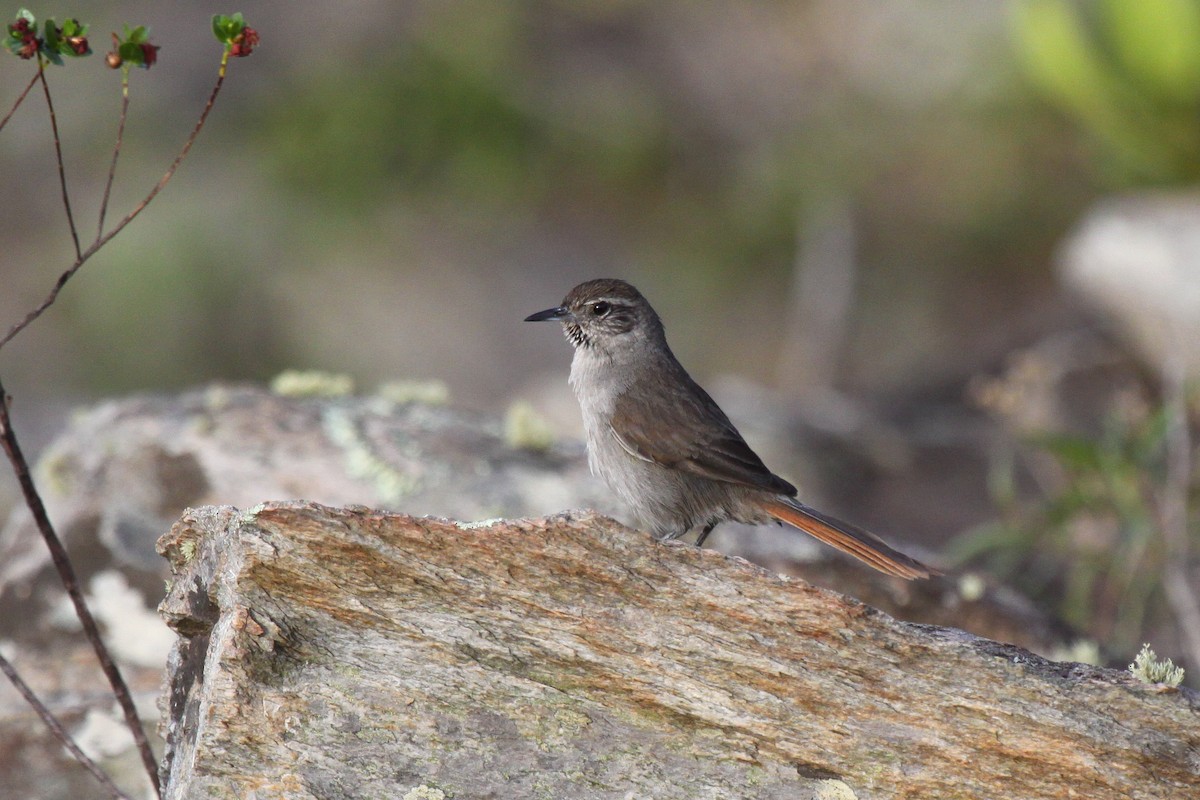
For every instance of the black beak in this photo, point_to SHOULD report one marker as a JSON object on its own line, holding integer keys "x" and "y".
{"x": 549, "y": 313}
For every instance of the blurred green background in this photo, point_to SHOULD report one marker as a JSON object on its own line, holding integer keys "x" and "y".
{"x": 839, "y": 198}
{"x": 388, "y": 189}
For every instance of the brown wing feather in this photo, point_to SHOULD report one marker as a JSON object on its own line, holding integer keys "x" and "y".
{"x": 665, "y": 431}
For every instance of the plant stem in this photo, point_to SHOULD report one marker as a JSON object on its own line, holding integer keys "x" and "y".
{"x": 112, "y": 170}
{"x": 20, "y": 99}
{"x": 59, "y": 732}
{"x": 62, "y": 172}
{"x": 106, "y": 238}
{"x": 66, "y": 573}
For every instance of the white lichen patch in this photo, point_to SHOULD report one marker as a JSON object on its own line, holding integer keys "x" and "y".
{"x": 311, "y": 383}
{"x": 525, "y": 429}
{"x": 424, "y": 793}
{"x": 832, "y": 789}
{"x": 429, "y": 393}
{"x": 390, "y": 484}
{"x": 102, "y": 735}
{"x": 971, "y": 587}
{"x": 61, "y": 615}
{"x": 56, "y": 472}
{"x": 217, "y": 397}
{"x": 1147, "y": 668}
{"x": 483, "y": 523}
{"x": 136, "y": 634}
{"x": 187, "y": 550}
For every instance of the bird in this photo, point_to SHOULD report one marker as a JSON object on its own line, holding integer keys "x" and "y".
{"x": 665, "y": 447}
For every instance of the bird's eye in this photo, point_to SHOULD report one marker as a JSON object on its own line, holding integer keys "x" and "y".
{"x": 601, "y": 308}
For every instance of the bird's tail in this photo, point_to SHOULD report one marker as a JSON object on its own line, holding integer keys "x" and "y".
{"x": 848, "y": 538}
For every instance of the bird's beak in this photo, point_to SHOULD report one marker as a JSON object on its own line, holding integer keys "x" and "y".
{"x": 561, "y": 313}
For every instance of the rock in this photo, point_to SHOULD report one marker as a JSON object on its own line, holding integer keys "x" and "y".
{"x": 1137, "y": 261}
{"x": 341, "y": 653}
{"x": 123, "y": 471}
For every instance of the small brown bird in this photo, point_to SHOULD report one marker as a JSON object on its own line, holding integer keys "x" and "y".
{"x": 665, "y": 447}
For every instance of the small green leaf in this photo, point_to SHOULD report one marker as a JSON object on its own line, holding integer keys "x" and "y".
{"x": 50, "y": 37}
{"x": 227, "y": 27}
{"x": 1075, "y": 452}
{"x": 1156, "y": 41}
{"x": 28, "y": 16}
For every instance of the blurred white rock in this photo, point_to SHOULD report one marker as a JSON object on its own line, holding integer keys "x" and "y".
{"x": 1136, "y": 260}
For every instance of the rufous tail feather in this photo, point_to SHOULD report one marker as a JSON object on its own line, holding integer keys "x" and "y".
{"x": 848, "y": 538}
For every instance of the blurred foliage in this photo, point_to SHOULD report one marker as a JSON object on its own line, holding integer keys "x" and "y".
{"x": 428, "y": 126}
{"x": 1128, "y": 71}
{"x": 1089, "y": 542}
{"x": 444, "y": 129}
{"x": 159, "y": 301}
{"x": 544, "y": 116}
{"x": 445, "y": 118}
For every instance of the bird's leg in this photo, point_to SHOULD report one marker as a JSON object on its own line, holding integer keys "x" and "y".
{"x": 671, "y": 534}
{"x": 704, "y": 534}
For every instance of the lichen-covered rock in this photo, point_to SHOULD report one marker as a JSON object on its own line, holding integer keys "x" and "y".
{"x": 123, "y": 471}
{"x": 330, "y": 653}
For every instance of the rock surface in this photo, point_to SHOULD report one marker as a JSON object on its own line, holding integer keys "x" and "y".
{"x": 348, "y": 653}
{"x": 1134, "y": 259}
{"x": 124, "y": 470}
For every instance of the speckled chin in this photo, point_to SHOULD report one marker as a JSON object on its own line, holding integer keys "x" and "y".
{"x": 576, "y": 336}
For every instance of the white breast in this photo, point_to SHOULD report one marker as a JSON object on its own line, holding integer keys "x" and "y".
{"x": 597, "y": 382}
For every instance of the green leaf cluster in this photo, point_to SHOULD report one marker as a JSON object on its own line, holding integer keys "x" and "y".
{"x": 134, "y": 47}
{"x": 17, "y": 32}
{"x": 227, "y": 27}
{"x": 1091, "y": 540}
{"x": 69, "y": 39}
{"x": 1128, "y": 71}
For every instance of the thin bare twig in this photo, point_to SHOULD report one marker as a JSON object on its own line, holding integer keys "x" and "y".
{"x": 62, "y": 171}
{"x": 1181, "y": 595}
{"x": 106, "y": 238}
{"x": 158, "y": 187}
{"x": 66, "y": 573}
{"x": 8, "y": 438}
{"x": 112, "y": 169}
{"x": 20, "y": 99}
{"x": 59, "y": 732}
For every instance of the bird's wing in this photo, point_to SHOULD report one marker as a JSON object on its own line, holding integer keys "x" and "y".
{"x": 686, "y": 430}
